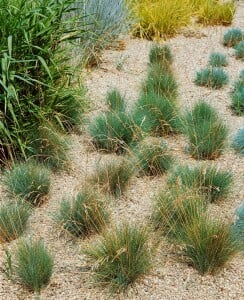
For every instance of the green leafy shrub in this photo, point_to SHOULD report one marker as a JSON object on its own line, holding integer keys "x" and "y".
{"x": 175, "y": 207}
{"x": 83, "y": 215}
{"x": 13, "y": 219}
{"x": 103, "y": 21}
{"x": 29, "y": 181}
{"x": 211, "y": 77}
{"x": 207, "y": 244}
{"x": 160, "y": 54}
{"x": 217, "y": 59}
{"x": 161, "y": 82}
{"x": 34, "y": 264}
{"x": 121, "y": 256}
{"x": 205, "y": 131}
{"x": 113, "y": 176}
{"x": 237, "y": 95}
{"x": 153, "y": 157}
{"x": 36, "y": 83}
{"x": 115, "y": 101}
{"x": 232, "y": 37}
{"x": 238, "y": 226}
{"x": 156, "y": 115}
{"x": 209, "y": 181}
{"x": 238, "y": 142}
{"x": 112, "y": 131}
{"x": 239, "y": 50}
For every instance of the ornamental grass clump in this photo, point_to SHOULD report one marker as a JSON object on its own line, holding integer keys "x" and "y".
{"x": 214, "y": 77}
{"x": 217, "y": 59}
{"x": 29, "y": 181}
{"x": 49, "y": 147}
{"x": 113, "y": 176}
{"x": 83, "y": 215}
{"x": 102, "y": 22}
{"x": 205, "y": 131}
{"x": 160, "y": 54}
{"x": 156, "y": 115}
{"x": 237, "y": 95}
{"x": 115, "y": 101}
{"x": 232, "y": 37}
{"x": 160, "y": 81}
{"x": 112, "y": 131}
{"x": 238, "y": 226}
{"x": 209, "y": 181}
{"x": 153, "y": 157}
{"x": 122, "y": 255}
{"x": 13, "y": 220}
{"x": 160, "y": 18}
{"x": 33, "y": 265}
{"x": 211, "y": 12}
{"x": 174, "y": 207}
{"x": 238, "y": 142}
{"x": 239, "y": 50}
{"x": 207, "y": 244}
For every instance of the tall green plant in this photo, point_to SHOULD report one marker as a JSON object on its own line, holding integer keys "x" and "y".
{"x": 34, "y": 74}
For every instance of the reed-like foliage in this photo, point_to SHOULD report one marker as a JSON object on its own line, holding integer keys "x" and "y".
{"x": 35, "y": 80}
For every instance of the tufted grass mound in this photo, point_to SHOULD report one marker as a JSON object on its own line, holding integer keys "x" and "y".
{"x": 232, "y": 37}
{"x": 153, "y": 157}
{"x": 121, "y": 256}
{"x": 238, "y": 142}
{"x": 206, "y": 132}
{"x": 213, "y": 77}
{"x": 209, "y": 181}
{"x": 112, "y": 131}
{"x": 112, "y": 176}
{"x": 237, "y": 95}
{"x": 82, "y": 215}
{"x": 13, "y": 220}
{"x": 156, "y": 115}
{"x": 29, "y": 181}
{"x": 217, "y": 59}
{"x": 175, "y": 206}
{"x": 207, "y": 244}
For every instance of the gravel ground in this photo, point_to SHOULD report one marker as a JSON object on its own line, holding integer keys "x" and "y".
{"x": 169, "y": 279}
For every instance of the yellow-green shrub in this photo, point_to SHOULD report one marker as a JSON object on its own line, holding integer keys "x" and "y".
{"x": 160, "y": 18}
{"x": 212, "y": 12}
{"x": 163, "y": 18}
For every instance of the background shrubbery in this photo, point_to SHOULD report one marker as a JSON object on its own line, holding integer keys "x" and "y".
{"x": 35, "y": 78}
